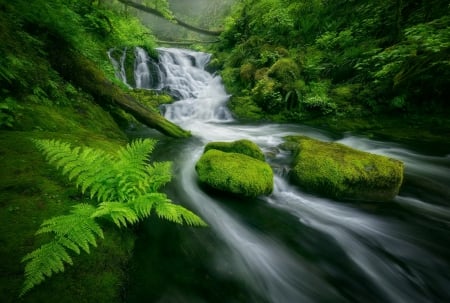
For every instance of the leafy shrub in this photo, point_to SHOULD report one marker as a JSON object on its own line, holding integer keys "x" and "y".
{"x": 8, "y": 108}
{"x": 317, "y": 99}
{"x": 267, "y": 96}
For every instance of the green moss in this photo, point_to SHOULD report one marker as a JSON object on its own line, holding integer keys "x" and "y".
{"x": 151, "y": 99}
{"x": 341, "y": 172}
{"x": 247, "y": 72}
{"x": 284, "y": 70}
{"x": 235, "y": 173}
{"x": 245, "y": 147}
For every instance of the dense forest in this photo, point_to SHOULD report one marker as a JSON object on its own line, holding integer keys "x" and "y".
{"x": 376, "y": 67}
{"x": 300, "y": 60}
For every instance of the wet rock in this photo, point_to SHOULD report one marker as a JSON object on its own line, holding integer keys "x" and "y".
{"x": 237, "y": 168}
{"x": 343, "y": 173}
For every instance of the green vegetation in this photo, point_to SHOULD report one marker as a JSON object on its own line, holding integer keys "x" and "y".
{"x": 124, "y": 185}
{"x": 320, "y": 62}
{"x": 245, "y": 147}
{"x": 44, "y": 44}
{"x": 340, "y": 172}
{"x": 235, "y": 173}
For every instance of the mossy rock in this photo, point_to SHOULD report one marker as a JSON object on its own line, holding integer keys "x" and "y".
{"x": 343, "y": 173}
{"x": 235, "y": 173}
{"x": 245, "y": 147}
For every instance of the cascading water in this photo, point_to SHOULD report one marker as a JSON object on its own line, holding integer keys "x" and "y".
{"x": 290, "y": 246}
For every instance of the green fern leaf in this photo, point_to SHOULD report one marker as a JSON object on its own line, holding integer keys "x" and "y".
{"x": 189, "y": 217}
{"x": 131, "y": 165}
{"x": 157, "y": 175}
{"x": 78, "y": 227}
{"x": 42, "y": 263}
{"x": 143, "y": 205}
{"x": 168, "y": 211}
{"x": 119, "y": 213}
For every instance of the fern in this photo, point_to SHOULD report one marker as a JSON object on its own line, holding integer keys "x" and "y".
{"x": 119, "y": 213}
{"x": 74, "y": 231}
{"x": 124, "y": 184}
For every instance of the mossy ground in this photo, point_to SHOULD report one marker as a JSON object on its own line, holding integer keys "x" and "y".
{"x": 32, "y": 191}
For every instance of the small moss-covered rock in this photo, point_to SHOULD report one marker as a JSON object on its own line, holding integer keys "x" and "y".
{"x": 235, "y": 173}
{"x": 341, "y": 172}
{"x": 245, "y": 147}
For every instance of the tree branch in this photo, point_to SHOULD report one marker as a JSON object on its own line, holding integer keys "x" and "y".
{"x": 178, "y": 21}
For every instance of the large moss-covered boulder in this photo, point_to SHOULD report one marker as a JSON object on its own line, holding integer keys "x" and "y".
{"x": 235, "y": 173}
{"x": 344, "y": 173}
{"x": 245, "y": 147}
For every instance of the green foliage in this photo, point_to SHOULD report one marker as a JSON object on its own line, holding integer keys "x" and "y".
{"x": 397, "y": 51}
{"x": 124, "y": 183}
{"x": 316, "y": 98}
{"x": 8, "y": 110}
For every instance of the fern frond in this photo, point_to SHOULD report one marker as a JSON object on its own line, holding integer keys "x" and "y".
{"x": 167, "y": 211}
{"x": 119, "y": 213}
{"x": 136, "y": 153}
{"x": 143, "y": 205}
{"x": 90, "y": 168}
{"x": 79, "y": 228}
{"x": 157, "y": 175}
{"x": 74, "y": 231}
{"x": 42, "y": 263}
{"x": 127, "y": 178}
{"x": 131, "y": 165}
{"x": 189, "y": 217}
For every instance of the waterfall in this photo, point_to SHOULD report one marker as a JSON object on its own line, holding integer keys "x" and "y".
{"x": 202, "y": 96}
{"x": 119, "y": 66}
{"x": 291, "y": 246}
{"x": 141, "y": 69}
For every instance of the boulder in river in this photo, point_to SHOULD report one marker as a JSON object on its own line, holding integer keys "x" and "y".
{"x": 343, "y": 173}
{"x": 243, "y": 146}
{"x": 233, "y": 170}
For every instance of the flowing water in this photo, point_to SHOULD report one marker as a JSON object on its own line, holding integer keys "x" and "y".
{"x": 290, "y": 246}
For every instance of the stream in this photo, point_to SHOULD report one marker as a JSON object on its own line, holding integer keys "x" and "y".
{"x": 290, "y": 246}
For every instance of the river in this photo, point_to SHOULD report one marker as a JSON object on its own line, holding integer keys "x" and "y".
{"x": 290, "y": 246}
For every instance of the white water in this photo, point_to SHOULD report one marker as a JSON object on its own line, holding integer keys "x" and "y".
{"x": 383, "y": 251}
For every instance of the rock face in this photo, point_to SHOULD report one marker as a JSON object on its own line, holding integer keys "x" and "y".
{"x": 227, "y": 167}
{"x": 343, "y": 173}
